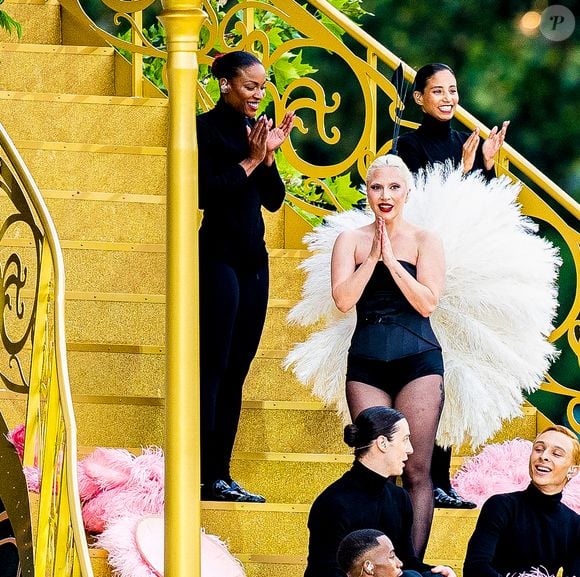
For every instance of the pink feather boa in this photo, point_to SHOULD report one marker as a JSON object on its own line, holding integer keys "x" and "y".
{"x": 503, "y": 468}
{"x": 118, "y": 490}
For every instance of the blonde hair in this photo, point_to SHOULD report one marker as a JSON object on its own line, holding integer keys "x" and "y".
{"x": 570, "y": 434}
{"x": 394, "y": 161}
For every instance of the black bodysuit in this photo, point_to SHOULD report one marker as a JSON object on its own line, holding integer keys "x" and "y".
{"x": 392, "y": 343}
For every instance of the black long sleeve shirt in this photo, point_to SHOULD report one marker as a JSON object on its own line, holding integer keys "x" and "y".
{"x": 360, "y": 499}
{"x": 519, "y": 531}
{"x": 435, "y": 141}
{"x": 232, "y": 229}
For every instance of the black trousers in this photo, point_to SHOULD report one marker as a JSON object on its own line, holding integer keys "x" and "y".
{"x": 233, "y": 304}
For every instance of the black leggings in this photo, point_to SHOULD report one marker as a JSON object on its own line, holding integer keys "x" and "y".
{"x": 233, "y": 304}
{"x": 441, "y": 468}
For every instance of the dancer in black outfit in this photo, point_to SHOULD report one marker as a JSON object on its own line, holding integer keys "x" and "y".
{"x": 237, "y": 176}
{"x": 435, "y": 91}
{"x": 531, "y": 529}
{"x": 393, "y": 271}
{"x": 364, "y": 498}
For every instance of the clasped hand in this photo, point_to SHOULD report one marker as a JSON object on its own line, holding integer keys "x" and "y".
{"x": 381, "y": 248}
{"x": 264, "y": 138}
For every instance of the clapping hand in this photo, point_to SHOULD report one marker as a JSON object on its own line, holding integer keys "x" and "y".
{"x": 469, "y": 150}
{"x": 493, "y": 143}
{"x": 278, "y": 134}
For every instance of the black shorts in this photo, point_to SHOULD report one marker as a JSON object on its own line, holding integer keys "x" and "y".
{"x": 392, "y": 376}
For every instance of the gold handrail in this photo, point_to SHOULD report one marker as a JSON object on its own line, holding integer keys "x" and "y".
{"x": 51, "y": 434}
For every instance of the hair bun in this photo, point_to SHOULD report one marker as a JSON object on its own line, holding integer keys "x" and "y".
{"x": 351, "y": 435}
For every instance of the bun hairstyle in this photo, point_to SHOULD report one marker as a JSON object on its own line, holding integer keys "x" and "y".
{"x": 230, "y": 64}
{"x": 425, "y": 72}
{"x": 369, "y": 425}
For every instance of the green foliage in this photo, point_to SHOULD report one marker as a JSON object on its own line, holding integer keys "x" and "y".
{"x": 9, "y": 24}
{"x": 502, "y": 73}
{"x": 334, "y": 190}
{"x": 152, "y": 66}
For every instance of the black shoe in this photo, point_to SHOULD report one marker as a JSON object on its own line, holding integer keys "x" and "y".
{"x": 251, "y": 497}
{"x": 444, "y": 501}
{"x": 221, "y": 490}
{"x": 464, "y": 504}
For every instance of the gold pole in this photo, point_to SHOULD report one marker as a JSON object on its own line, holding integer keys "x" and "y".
{"x": 182, "y": 20}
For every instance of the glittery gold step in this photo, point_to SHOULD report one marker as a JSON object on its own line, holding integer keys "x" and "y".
{"x": 105, "y": 168}
{"x": 57, "y": 69}
{"x": 106, "y": 370}
{"x": 288, "y": 477}
{"x": 255, "y": 565}
{"x": 143, "y": 323}
{"x": 84, "y": 119}
{"x": 283, "y": 530}
{"x": 40, "y": 21}
{"x": 98, "y": 267}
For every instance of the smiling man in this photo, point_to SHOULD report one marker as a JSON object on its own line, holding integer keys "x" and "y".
{"x": 520, "y": 531}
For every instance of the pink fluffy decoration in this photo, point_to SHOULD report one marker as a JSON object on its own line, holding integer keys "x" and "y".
{"x": 503, "y": 468}
{"x": 115, "y": 483}
{"x": 16, "y": 436}
{"x": 134, "y": 552}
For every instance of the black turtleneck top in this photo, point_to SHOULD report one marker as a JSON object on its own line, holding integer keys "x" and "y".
{"x": 517, "y": 532}
{"x": 435, "y": 141}
{"x": 360, "y": 499}
{"x": 232, "y": 229}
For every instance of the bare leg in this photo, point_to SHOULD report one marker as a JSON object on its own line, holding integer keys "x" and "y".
{"x": 421, "y": 401}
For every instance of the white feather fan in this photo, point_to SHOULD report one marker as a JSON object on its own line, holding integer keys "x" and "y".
{"x": 493, "y": 317}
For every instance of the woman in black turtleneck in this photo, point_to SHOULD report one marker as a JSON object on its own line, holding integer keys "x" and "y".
{"x": 435, "y": 91}
{"x": 237, "y": 177}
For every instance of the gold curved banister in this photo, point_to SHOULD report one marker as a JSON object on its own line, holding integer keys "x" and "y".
{"x": 60, "y": 546}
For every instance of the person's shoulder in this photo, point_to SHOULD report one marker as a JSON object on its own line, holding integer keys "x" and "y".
{"x": 352, "y": 236}
{"x": 409, "y": 140}
{"x": 571, "y": 514}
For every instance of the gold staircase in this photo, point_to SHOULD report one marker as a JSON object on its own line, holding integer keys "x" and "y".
{"x": 98, "y": 156}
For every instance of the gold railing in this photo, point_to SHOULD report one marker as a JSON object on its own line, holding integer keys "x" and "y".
{"x": 239, "y": 28}
{"x": 33, "y": 372}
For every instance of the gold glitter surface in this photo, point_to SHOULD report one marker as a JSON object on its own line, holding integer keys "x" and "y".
{"x": 85, "y": 122}
{"x": 278, "y": 334}
{"x": 286, "y": 278}
{"x": 259, "y": 531}
{"x": 13, "y": 409}
{"x": 96, "y": 373}
{"x": 450, "y": 533}
{"x": 63, "y": 72}
{"x": 95, "y": 172}
{"x": 109, "y": 221}
{"x": 274, "y": 222}
{"x": 291, "y": 431}
{"x": 115, "y": 322}
{"x": 119, "y": 425}
{"x": 115, "y": 271}
{"x": 267, "y": 380}
{"x": 41, "y": 25}
{"x": 287, "y": 482}
{"x": 271, "y": 570}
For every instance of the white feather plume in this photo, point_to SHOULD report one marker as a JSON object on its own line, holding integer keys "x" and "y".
{"x": 493, "y": 318}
